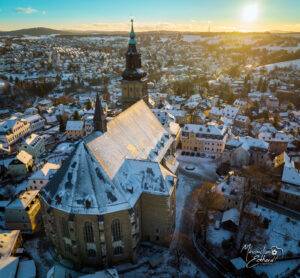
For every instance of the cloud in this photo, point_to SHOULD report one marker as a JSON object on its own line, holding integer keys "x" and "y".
{"x": 26, "y": 10}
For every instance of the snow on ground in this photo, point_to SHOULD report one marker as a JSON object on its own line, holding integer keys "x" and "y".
{"x": 104, "y": 38}
{"x": 188, "y": 180}
{"x": 40, "y": 254}
{"x": 184, "y": 188}
{"x": 282, "y": 232}
{"x": 278, "y": 269}
{"x": 293, "y": 63}
{"x": 193, "y": 38}
{"x": 216, "y": 237}
{"x": 280, "y": 47}
{"x": 6, "y": 161}
{"x": 205, "y": 168}
{"x": 158, "y": 263}
{"x": 41, "y": 37}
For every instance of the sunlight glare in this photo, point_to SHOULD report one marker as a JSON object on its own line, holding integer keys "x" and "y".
{"x": 250, "y": 13}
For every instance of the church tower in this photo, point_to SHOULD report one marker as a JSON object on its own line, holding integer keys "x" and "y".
{"x": 134, "y": 86}
{"x": 99, "y": 117}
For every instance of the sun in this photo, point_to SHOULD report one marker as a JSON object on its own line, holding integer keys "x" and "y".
{"x": 250, "y": 13}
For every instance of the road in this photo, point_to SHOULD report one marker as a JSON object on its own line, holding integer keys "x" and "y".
{"x": 189, "y": 182}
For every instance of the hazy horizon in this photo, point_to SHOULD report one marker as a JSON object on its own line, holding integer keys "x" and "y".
{"x": 153, "y": 15}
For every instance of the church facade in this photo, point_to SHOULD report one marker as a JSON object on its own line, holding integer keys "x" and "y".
{"x": 134, "y": 86}
{"x": 116, "y": 189}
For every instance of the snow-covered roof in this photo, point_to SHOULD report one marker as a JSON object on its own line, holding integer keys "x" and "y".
{"x": 26, "y": 269}
{"x": 136, "y": 133}
{"x": 8, "y": 241}
{"x": 226, "y": 111}
{"x": 290, "y": 173}
{"x": 242, "y": 118}
{"x": 82, "y": 186}
{"x": 231, "y": 215}
{"x": 248, "y": 143}
{"x": 8, "y": 266}
{"x": 108, "y": 172}
{"x": 275, "y": 137}
{"x": 74, "y": 125}
{"x": 24, "y": 157}
{"x": 23, "y": 200}
{"x": 238, "y": 263}
{"x": 209, "y": 129}
{"x": 33, "y": 118}
{"x": 33, "y": 139}
{"x": 7, "y": 125}
{"x": 47, "y": 170}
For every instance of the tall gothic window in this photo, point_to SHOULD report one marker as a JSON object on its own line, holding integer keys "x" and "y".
{"x": 116, "y": 230}
{"x": 118, "y": 250}
{"x": 91, "y": 253}
{"x": 88, "y": 232}
{"x": 64, "y": 227}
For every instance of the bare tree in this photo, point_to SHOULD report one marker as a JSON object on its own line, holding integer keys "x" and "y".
{"x": 208, "y": 199}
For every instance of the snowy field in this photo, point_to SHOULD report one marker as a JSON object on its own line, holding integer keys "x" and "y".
{"x": 195, "y": 38}
{"x": 279, "y": 47}
{"x": 293, "y": 63}
{"x": 104, "y": 38}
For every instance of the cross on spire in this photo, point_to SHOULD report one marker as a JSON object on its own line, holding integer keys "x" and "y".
{"x": 132, "y": 25}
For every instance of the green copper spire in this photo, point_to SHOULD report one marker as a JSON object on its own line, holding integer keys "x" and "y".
{"x": 132, "y": 40}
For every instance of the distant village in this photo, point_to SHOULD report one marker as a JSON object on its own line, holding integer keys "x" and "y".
{"x": 122, "y": 157}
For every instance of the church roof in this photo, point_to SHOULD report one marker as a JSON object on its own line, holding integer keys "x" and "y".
{"x": 136, "y": 133}
{"x": 108, "y": 172}
{"x": 81, "y": 186}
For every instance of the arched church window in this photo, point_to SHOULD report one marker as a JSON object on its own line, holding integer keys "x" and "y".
{"x": 88, "y": 232}
{"x": 116, "y": 230}
{"x": 64, "y": 227}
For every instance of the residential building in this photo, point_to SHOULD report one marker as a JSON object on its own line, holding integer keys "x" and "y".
{"x": 21, "y": 165}
{"x": 232, "y": 189}
{"x": 74, "y": 130}
{"x": 201, "y": 140}
{"x": 23, "y": 213}
{"x": 36, "y": 122}
{"x": 41, "y": 177}
{"x": 10, "y": 241}
{"x": 290, "y": 189}
{"x": 278, "y": 141}
{"x": 245, "y": 151}
{"x": 13, "y": 130}
{"x": 34, "y": 145}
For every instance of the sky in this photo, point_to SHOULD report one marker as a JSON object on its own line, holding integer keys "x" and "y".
{"x": 180, "y": 15}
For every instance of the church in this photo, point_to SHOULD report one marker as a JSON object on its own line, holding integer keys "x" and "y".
{"x": 118, "y": 187}
{"x": 134, "y": 81}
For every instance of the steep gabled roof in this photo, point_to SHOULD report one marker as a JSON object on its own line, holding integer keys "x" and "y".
{"x": 135, "y": 134}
